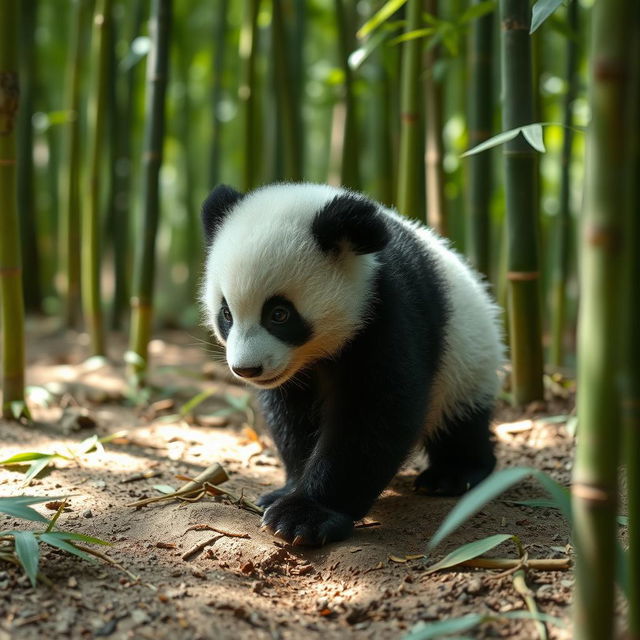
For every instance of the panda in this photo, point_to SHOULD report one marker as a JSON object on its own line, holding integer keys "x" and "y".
{"x": 364, "y": 334}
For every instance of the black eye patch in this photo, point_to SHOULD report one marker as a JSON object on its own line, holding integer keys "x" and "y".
{"x": 282, "y": 320}
{"x": 225, "y": 319}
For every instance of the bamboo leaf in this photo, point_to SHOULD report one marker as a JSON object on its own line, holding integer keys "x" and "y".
{"x": 27, "y": 456}
{"x": 17, "y": 507}
{"x": 558, "y": 493}
{"x": 413, "y": 35}
{"x": 86, "y": 445}
{"x": 623, "y": 520}
{"x": 533, "y": 135}
{"x": 37, "y": 466}
{"x": 542, "y": 10}
{"x": 475, "y": 499}
{"x": 28, "y": 553}
{"x": 442, "y": 627}
{"x": 493, "y": 141}
{"x": 385, "y": 12}
{"x": 55, "y": 540}
{"x": 468, "y": 551}
{"x": 80, "y": 537}
{"x": 189, "y": 406}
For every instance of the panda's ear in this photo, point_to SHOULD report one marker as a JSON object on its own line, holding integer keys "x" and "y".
{"x": 215, "y": 207}
{"x": 353, "y": 219}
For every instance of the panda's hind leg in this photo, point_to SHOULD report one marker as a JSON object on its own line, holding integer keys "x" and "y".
{"x": 460, "y": 455}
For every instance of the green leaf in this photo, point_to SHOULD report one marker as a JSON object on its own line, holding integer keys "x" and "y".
{"x": 385, "y": 12}
{"x": 542, "y": 10}
{"x": 55, "y": 540}
{"x": 357, "y": 57}
{"x": 133, "y": 358}
{"x": 442, "y": 627}
{"x": 493, "y": 141}
{"x": 80, "y": 537}
{"x": 468, "y": 551}
{"x": 559, "y": 494}
{"x": 28, "y": 553}
{"x": 475, "y": 500}
{"x": 27, "y": 456}
{"x": 189, "y": 406}
{"x": 19, "y": 409}
{"x": 86, "y": 445}
{"x": 17, "y": 507}
{"x": 623, "y": 520}
{"x": 413, "y": 35}
{"x": 37, "y": 466}
{"x": 533, "y": 135}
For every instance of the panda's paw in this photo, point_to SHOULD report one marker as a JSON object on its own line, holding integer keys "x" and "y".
{"x": 449, "y": 482}
{"x": 302, "y": 521}
{"x": 267, "y": 499}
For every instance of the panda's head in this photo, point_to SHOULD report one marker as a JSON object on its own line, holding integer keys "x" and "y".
{"x": 289, "y": 274}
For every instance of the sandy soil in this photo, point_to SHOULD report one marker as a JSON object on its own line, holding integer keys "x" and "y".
{"x": 196, "y": 583}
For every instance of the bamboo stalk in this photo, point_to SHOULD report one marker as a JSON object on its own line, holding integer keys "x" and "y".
{"x": 26, "y": 190}
{"x": 630, "y": 343}
{"x": 350, "y": 156}
{"x": 411, "y": 153}
{"x": 220, "y": 31}
{"x": 69, "y": 220}
{"x": 434, "y": 152}
{"x": 91, "y": 218}
{"x": 562, "y": 246}
{"x": 525, "y": 332}
{"x": 12, "y": 306}
{"x": 594, "y": 489}
{"x": 247, "y": 93}
{"x": 480, "y": 119}
{"x": 157, "y": 76}
{"x": 287, "y": 93}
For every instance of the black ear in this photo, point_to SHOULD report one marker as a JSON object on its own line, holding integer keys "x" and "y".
{"x": 354, "y": 219}
{"x": 215, "y": 207}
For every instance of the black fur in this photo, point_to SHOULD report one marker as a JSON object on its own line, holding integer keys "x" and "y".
{"x": 216, "y": 206}
{"x": 345, "y": 425}
{"x": 294, "y": 331}
{"x": 353, "y": 219}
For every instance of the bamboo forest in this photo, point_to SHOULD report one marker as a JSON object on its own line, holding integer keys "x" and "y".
{"x": 453, "y": 180}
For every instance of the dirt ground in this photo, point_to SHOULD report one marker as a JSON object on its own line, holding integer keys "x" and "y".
{"x": 196, "y": 583}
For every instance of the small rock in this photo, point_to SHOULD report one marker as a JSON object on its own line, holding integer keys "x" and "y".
{"x": 87, "y": 513}
{"x": 139, "y": 616}
{"x": 474, "y": 586}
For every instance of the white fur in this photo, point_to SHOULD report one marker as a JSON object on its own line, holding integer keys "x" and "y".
{"x": 264, "y": 248}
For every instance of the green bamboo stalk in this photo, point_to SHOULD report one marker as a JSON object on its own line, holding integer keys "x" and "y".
{"x": 26, "y": 190}
{"x": 12, "y": 303}
{"x": 434, "y": 151}
{"x": 562, "y": 231}
{"x": 157, "y": 78}
{"x": 595, "y": 473}
{"x": 523, "y": 275}
{"x": 480, "y": 120}
{"x": 411, "y": 153}
{"x": 630, "y": 366}
{"x": 350, "y": 160}
{"x": 287, "y": 92}
{"x": 91, "y": 218}
{"x": 219, "y": 38}
{"x": 69, "y": 220}
{"x": 247, "y": 93}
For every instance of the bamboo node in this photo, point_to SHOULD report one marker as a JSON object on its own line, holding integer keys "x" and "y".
{"x": 590, "y": 493}
{"x": 512, "y": 24}
{"x": 598, "y": 235}
{"x": 9, "y": 99}
{"x": 409, "y": 118}
{"x": 10, "y": 271}
{"x": 7, "y": 162}
{"x": 522, "y": 276}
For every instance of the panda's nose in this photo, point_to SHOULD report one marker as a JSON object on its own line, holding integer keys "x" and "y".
{"x": 247, "y": 372}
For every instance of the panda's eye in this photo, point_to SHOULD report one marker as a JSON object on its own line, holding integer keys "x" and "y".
{"x": 226, "y": 314}
{"x": 279, "y": 315}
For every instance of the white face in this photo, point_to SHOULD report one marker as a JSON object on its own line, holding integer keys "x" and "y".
{"x": 272, "y": 297}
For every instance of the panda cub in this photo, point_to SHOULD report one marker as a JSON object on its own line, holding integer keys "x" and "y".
{"x": 364, "y": 335}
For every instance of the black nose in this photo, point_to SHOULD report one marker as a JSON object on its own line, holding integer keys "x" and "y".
{"x": 247, "y": 372}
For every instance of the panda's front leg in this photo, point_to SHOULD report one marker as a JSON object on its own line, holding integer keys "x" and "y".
{"x": 360, "y": 448}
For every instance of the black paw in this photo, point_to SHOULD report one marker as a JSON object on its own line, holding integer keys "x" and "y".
{"x": 449, "y": 482}
{"x": 302, "y": 521}
{"x": 267, "y": 499}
